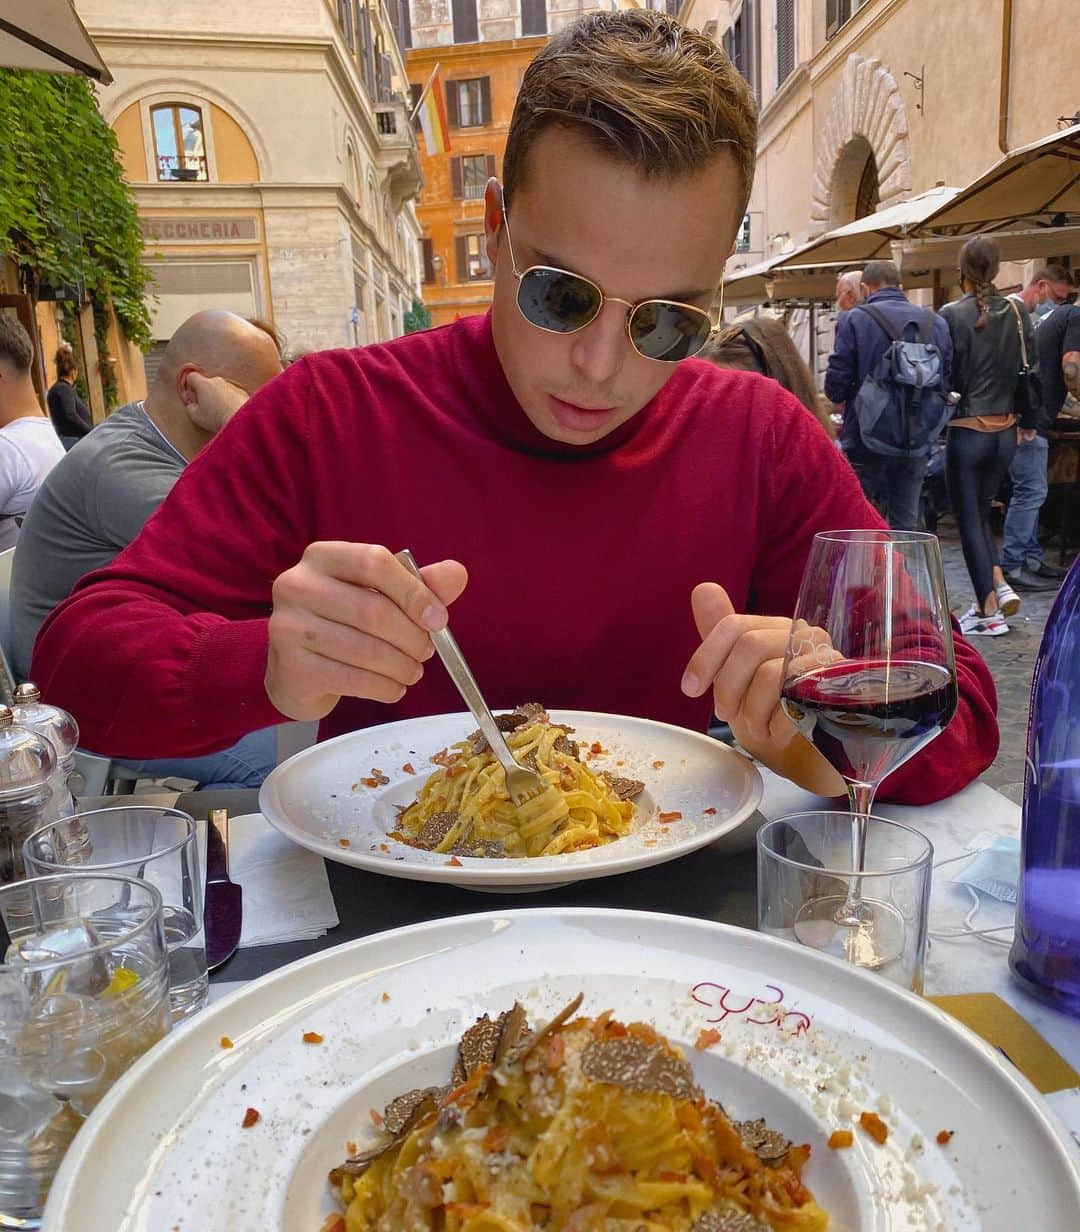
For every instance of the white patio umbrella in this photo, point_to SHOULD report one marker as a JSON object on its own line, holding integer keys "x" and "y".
{"x": 1029, "y": 201}
{"x": 810, "y": 270}
{"x": 1036, "y": 185}
{"x": 47, "y": 34}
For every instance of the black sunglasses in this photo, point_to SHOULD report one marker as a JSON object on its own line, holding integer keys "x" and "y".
{"x": 561, "y": 302}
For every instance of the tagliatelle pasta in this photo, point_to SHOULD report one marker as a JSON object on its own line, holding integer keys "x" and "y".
{"x": 586, "y": 1126}
{"x": 463, "y": 809}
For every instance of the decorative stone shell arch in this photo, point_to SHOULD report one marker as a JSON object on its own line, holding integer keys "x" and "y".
{"x": 867, "y": 118}
{"x": 165, "y": 89}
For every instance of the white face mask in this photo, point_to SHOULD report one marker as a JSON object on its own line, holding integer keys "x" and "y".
{"x": 995, "y": 870}
{"x": 1044, "y": 309}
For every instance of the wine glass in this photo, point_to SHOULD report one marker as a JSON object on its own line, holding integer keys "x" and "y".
{"x": 869, "y": 679}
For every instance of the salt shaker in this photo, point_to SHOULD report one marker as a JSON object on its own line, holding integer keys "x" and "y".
{"x": 62, "y": 732}
{"x": 27, "y": 772}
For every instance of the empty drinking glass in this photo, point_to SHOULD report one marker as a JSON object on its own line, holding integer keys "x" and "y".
{"x": 83, "y": 994}
{"x": 157, "y": 845}
{"x": 806, "y": 872}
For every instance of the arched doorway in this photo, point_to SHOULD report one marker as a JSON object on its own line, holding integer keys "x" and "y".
{"x": 868, "y": 194}
{"x": 854, "y": 191}
{"x": 863, "y": 156}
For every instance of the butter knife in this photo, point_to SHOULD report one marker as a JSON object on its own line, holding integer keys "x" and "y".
{"x": 223, "y": 901}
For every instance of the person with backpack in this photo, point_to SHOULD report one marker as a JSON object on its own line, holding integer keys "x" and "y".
{"x": 995, "y": 372}
{"x": 890, "y": 370}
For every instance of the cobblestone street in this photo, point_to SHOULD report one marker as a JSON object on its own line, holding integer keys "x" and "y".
{"x": 1011, "y": 659}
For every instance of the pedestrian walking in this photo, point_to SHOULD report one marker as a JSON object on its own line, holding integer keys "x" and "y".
{"x": 866, "y": 340}
{"x": 993, "y": 355}
{"x": 849, "y": 290}
{"x": 1023, "y": 564}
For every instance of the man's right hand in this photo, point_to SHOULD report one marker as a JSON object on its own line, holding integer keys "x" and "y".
{"x": 351, "y": 621}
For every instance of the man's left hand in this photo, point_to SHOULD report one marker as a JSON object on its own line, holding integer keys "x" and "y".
{"x": 742, "y": 658}
{"x": 213, "y": 400}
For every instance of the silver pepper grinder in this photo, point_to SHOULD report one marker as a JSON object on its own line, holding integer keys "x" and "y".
{"x": 27, "y": 771}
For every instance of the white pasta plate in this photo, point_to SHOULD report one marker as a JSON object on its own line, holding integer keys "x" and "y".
{"x": 805, "y": 1041}
{"x": 318, "y": 799}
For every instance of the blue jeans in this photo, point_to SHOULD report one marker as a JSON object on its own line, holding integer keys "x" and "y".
{"x": 895, "y": 482}
{"x": 246, "y": 764}
{"x": 1021, "y": 540}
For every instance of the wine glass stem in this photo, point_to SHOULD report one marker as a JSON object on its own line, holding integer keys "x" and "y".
{"x": 860, "y": 802}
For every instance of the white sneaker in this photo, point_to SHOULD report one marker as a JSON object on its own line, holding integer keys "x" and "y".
{"x": 1008, "y": 599}
{"x": 973, "y": 624}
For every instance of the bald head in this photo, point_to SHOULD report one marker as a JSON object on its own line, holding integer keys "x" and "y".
{"x": 849, "y": 290}
{"x": 213, "y": 363}
{"x": 219, "y": 343}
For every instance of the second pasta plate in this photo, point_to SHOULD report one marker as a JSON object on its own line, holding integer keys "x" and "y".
{"x": 342, "y": 798}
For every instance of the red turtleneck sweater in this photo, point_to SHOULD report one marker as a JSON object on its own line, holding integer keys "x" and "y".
{"x": 581, "y": 560}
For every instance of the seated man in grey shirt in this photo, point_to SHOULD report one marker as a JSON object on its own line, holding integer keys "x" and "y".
{"x": 100, "y": 495}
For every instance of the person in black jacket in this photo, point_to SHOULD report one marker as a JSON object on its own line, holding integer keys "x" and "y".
{"x": 993, "y": 339}
{"x": 70, "y": 415}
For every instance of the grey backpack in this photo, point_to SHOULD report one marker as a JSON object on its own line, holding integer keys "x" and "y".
{"x": 900, "y": 407}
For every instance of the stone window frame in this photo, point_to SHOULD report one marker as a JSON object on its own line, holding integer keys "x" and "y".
{"x": 178, "y": 98}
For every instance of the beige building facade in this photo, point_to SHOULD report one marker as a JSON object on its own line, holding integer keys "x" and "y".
{"x": 438, "y": 23}
{"x": 866, "y": 104}
{"x": 270, "y": 153}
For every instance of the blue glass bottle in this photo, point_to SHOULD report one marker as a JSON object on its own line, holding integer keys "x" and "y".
{"x": 1045, "y": 955}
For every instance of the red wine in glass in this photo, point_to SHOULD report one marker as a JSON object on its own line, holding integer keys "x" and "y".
{"x": 867, "y": 717}
{"x": 869, "y": 679}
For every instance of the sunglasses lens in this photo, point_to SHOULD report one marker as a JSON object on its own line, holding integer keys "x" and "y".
{"x": 668, "y": 331}
{"x": 557, "y": 301}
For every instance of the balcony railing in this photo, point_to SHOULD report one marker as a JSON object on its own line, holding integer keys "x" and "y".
{"x": 398, "y": 154}
{"x": 186, "y": 167}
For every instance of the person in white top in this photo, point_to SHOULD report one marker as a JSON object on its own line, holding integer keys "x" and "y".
{"x": 29, "y": 446}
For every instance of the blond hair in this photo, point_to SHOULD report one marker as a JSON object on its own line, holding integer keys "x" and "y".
{"x": 643, "y": 89}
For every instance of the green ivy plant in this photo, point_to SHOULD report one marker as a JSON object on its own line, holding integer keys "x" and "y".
{"x": 417, "y": 318}
{"x": 66, "y": 214}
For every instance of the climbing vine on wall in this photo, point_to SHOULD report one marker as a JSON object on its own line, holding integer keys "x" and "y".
{"x": 66, "y": 214}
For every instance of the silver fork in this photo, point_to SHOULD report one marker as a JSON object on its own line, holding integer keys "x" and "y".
{"x": 522, "y": 784}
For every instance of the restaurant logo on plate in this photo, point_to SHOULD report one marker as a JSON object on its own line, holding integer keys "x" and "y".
{"x": 758, "y": 1011}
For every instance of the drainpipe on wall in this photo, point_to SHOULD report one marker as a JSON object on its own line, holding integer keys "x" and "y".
{"x": 1006, "y": 73}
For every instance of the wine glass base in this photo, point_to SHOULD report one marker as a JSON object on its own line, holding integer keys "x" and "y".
{"x": 874, "y": 937}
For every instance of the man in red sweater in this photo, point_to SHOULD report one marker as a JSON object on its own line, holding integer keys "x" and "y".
{"x": 634, "y": 528}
